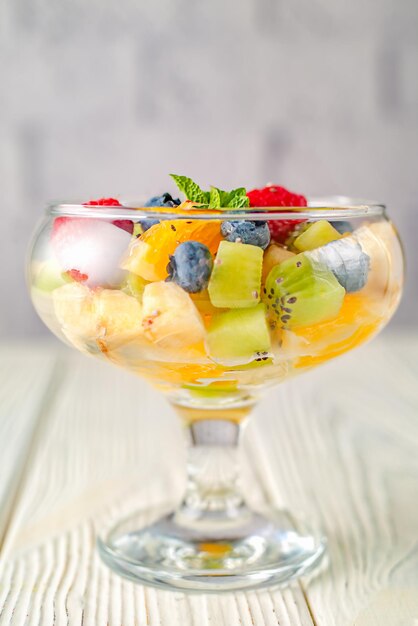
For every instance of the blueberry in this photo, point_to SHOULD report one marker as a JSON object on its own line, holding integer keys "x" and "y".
{"x": 342, "y": 226}
{"x": 190, "y": 266}
{"x": 254, "y": 233}
{"x": 164, "y": 200}
{"x": 147, "y": 223}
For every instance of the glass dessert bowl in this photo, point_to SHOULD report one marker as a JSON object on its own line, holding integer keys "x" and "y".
{"x": 212, "y": 306}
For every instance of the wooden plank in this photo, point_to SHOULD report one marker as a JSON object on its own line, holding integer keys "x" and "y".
{"x": 111, "y": 445}
{"x": 325, "y": 443}
{"x": 341, "y": 445}
{"x": 26, "y": 377}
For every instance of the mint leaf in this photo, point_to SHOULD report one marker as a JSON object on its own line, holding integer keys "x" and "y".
{"x": 240, "y": 191}
{"x": 239, "y": 202}
{"x": 215, "y": 198}
{"x": 191, "y": 190}
{"x": 218, "y": 198}
{"x": 237, "y": 198}
{"x": 224, "y": 197}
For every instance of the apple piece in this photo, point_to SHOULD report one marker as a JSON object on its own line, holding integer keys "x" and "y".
{"x": 93, "y": 247}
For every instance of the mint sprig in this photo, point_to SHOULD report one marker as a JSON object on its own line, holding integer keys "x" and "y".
{"x": 215, "y": 198}
{"x": 191, "y": 190}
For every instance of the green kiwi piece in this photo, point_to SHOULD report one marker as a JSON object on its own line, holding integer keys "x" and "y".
{"x": 236, "y": 276}
{"x": 316, "y": 235}
{"x": 134, "y": 285}
{"x": 208, "y": 393}
{"x": 49, "y": 276}
{"x": 300, "y": 293}
{"x": 239, "y": 336}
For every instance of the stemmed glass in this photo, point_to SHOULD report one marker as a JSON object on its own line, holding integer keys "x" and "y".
{"x": 101, "y": 284}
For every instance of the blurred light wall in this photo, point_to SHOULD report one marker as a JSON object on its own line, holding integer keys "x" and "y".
{"x": 107, "y": 97}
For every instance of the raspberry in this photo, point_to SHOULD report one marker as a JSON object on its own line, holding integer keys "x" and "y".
{"x": 275, "y": 196}
{"x": 281, "y": 229}
{"x": 127, "y": 225}
{"x": 103, "y": 202}
{"x": 77, "y": 276}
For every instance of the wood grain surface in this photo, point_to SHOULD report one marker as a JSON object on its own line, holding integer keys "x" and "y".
{"x": 83, "y": 442}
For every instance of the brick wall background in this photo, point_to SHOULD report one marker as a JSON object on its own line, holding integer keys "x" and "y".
{"x": 107, "y": 96}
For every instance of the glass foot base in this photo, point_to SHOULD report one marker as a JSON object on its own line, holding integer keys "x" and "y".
{"x": 256, "y": 550}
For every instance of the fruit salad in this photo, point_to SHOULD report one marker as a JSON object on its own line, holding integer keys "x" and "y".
{"x": 218, "y": 294}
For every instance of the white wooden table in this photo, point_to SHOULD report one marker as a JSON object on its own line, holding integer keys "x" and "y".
{"x": 82, "y": 440}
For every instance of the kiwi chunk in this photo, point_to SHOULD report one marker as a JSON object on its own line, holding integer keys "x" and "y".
{"x": 300, "y": 293}
{"x": 236, "y": 276}
{"x": 134, "y": 285}
{"x": 316, "y": 235}
{"x": 239, "y": 336}
{"x": 210, "y": 393}
{"x": 49, "y": 276}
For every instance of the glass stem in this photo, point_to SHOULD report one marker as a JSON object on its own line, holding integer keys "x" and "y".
{"x": 213, "y": 497}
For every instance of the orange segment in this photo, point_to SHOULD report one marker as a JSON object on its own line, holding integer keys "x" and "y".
{"x": 357, "y": 338}
{"x": 183, "y": 373}
{"x": 358, "y": 319}
{"x": 215, "y": 549}
{"x": 178, "y": 373}
{"x": 204, "y": 305}
{"x": 185, "y": 208}
{"x": 149, "y": 255}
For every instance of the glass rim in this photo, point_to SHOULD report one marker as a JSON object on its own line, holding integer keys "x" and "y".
{"x": 330, "y": 207}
